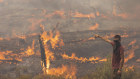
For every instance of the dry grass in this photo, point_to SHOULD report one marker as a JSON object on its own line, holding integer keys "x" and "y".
{"x": 47, "y": 77}
{"x": 105, "y": 72}
{"x": 102, "y": 72}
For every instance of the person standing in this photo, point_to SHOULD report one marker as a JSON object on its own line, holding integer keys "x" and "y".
{"x": 118, "y": 55}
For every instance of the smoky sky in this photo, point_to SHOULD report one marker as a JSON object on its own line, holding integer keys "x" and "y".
{"x": 17, "y": 15}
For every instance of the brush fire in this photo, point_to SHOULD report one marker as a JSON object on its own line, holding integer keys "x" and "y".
{"x": 69, "y": 39}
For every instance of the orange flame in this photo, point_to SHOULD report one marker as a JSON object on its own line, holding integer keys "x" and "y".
{"x": 133, "y": 42}
{"x": 58, "y": 71}
{"x": 9, "y": 55}
{"x": 59, "y": 12}
{"x": 129, "y": 68}
{"x": 94, "y": 27}
{"x": 62, "y": 13}
{"x": 122, "y": 15}
{"x": 54, "y": 41}
{"x": 97, "y": 13}
{"x": 68, "y": 71}
{"x": 80, "y": 15}
{"x": 91, "y": 38}
{"x": 73, "y": 57}
{"x": 29, "y": 51}
{"x": 1, "y": 38}
{"x": 138, "y": 60}
{"x": 111, "y": 35}
{"x": 49, "y": 37}
{"x": 4, "y": 54}
{"x": 131, "y": 53}
{"x": 105, "y": 17}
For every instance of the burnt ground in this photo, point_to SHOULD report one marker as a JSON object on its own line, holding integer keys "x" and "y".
{"x": 19, "y": 17}
{"x": 31, "y": 64}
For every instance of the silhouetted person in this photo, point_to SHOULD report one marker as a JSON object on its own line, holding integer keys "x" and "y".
{"x": 118, "y": 55}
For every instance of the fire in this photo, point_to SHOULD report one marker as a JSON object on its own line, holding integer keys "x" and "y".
{"x": 4, "y": 54}
{"x": 104, "y": 16}
{"x": 97, "y": 13}
{"x": 59, "y": 12}
{"x": 1, "y": 38}
{"x": 21, "y": 37}
{"x": 50, "y": 41}
{"x": 30, "y": 50}
{"x": 133, "y": 42}
{"x": 54, "y": 40}
{"x": 80, "y": 15}
{"x": 81, "y": 40}
{"x": 68, "y": 71}
{"x": 129, "y": 68}
{"x": 71, "y": 73}
{"x": 91, "y": 38}
{"x": 49, "y": 55}
{"x": 58, "y": 71}
{"x": 91, "y": 59}
{"x": 103, "y": 60}
{"x": 125, "y": 35}
{"x": 94, "y": 27}
{"x": 138, "y": 60}
{"x": 62, "y": 13}
{"x": 111, "y": 35}
{"x": 10, "y": 55}
{"x": 122, "y": 15}
{"x": 131, "y": 53}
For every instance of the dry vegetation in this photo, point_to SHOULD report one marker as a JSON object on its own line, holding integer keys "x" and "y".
{"x": 74, "y": 18}
{"x": 101, "y": 72}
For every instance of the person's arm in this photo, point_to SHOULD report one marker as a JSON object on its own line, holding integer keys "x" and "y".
{"x": 105, "y": 39}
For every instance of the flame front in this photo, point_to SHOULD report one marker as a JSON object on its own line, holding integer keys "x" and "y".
{"x": 82, "y": 59}
{"x": 10, "y": 55}
{"x": 131, "y": 52}
{"x": 80, "y": 15}
{"x": 94, "y": 27}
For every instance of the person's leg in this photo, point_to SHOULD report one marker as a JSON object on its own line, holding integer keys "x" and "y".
{"x": 118, "y": 76}
{"x": 115, "y": 73}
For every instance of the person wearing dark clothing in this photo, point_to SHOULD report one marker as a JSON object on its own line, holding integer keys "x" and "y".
{"x": 118, "y": 55}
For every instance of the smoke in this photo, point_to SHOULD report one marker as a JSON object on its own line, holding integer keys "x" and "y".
{"x": 16, "y": 15}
